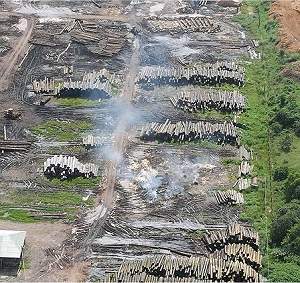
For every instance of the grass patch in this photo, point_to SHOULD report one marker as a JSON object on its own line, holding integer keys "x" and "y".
{"x": 55, "y": 202}
{"x": 62, "y": 130}
{"x": 215, "y": 115}
{"x": 80, "y": 182}
{"x": 77, "y": 102}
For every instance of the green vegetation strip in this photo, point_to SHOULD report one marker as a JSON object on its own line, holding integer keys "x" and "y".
{"x": 18, "y": 205}
{"x": 62, "y": 130}
{"x": 272, "y": 130}
{"x": 77, "y": 102}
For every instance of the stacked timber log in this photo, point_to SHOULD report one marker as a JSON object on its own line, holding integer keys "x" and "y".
{"x": 93, "y": 85}
{"x": 14, "y": 145}
{"x": 234, "y": 234}
{"x": 204, "y": 99}
{"x": 184, "y": 269}
{"x": 244, "y": 253}
{"x": 67, "y": 167}
{"x": 245, "y": 154}
{"x": 91, "y": 141}
{"x": 182, "y": 24}
{"x": 244, "y": 168}
{"x": 208, "y": 74}
{"x": 229, "y": 197}
{"x": 188, "y": 131}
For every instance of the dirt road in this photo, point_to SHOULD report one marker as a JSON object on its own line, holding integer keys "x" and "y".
{"x": 10, "y": 61}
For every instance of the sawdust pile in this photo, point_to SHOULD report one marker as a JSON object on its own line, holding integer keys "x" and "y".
{"x": 287, "y": 12}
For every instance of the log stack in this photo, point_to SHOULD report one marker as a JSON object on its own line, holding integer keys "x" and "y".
{"x": 189, "y": 131}
{"x": 234, "y": 234}
{"x": 184, "y": 269}
{"x": 206, "y": 99}
{"x": 68, "y": 167}
{"x": 230, "y": 197}
{"x": 94, "y": 85}
{"x": 182, "y": 24}
{"x": 208, "y": 74}
{"x": 91, "y": 141}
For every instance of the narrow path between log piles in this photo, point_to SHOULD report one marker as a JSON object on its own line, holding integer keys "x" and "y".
{"x": 120, "y": 138}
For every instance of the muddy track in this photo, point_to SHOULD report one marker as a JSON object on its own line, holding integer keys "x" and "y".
{"x": 12, "y": 58}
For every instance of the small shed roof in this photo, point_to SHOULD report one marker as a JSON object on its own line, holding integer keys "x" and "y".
{"x": 11, "y": 243}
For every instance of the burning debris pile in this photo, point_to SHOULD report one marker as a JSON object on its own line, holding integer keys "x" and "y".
{"x": 209, "y": 99}
{"x": 184, "y": 269}
{"x": 68, "y": 167}
{"x": 229, "y": 197}
{"x": 208, "y": 74}
{"x": 189, "y": 131}
{"x": 183, "y": 24}
{"x": 94, "y": 85}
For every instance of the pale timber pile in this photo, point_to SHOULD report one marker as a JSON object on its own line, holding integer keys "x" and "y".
{"x": 234, "y": 234}
{"x": 67, "y": 167}
{"x": 188, "y": 131}
{"x": 91, "y": 141}
{"x": 184, "y": 269}
{"x": 244, "y": 253}
{"x": 244, "y": 169}
{"x": 200, "y": 75}
{"x": 93, "y": 85}
{"x": 182, "y": 24}
{"x": 203, "y": 99}
{"x": 229, "y": 197}
{"x": 245, "y": 154}
{"x": 243, "y": 184}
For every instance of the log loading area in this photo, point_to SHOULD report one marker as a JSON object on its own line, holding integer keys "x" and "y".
{"x": 122, "y": 141}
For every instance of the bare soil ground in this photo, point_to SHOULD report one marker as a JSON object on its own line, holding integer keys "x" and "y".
{"x": 287, "y": 12}
{"x": 39, "y": 236}
{"x": 292, "y": 70}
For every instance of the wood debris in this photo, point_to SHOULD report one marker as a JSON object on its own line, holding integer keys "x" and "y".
{"x": 67, "y": 167}
{"x": 194, "y": 100}
{"x": 188, "y": 131}
{"x": 14, "y": 145}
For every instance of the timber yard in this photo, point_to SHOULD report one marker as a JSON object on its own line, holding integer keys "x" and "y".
{"x": 124, "y": 140}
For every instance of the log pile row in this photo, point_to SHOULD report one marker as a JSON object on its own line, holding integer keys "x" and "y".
{"x": 243, "y": 184}
{"x": 67, "y": 167}
{"x": 209, "y": 99}
{"x": 184, "y": 269}
{"x": 93, "y": 85}
{"x": 230, "y": 197}
{"x": 188, "y": 131}
{"x": 183, "y": 24}
{"x": 200, "y": 75}
{"x": 91, "y": 141}
{"x": 14, "y": 145}
{"x": 234, "y": 234}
